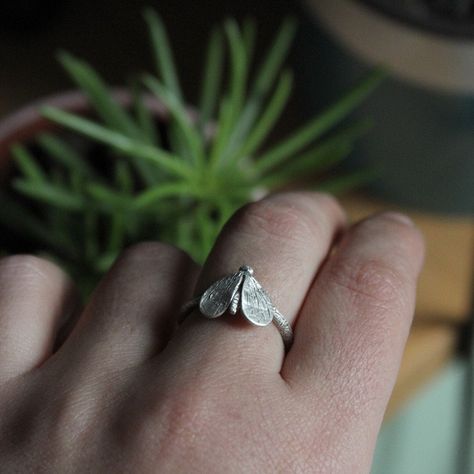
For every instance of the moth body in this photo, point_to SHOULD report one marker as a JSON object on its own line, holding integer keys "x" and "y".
{"x": 234, "y": 305}
{"x": 242, "y": 290}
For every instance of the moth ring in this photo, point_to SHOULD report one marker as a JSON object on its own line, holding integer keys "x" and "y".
{"x": 240, "y": 291}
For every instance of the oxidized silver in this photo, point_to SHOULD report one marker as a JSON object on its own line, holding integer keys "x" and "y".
{"x": 241, "y": 290}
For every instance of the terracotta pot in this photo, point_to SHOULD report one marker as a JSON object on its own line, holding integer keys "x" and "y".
{"x": 25, "y": 124}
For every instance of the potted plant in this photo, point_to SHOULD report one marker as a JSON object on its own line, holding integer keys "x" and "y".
{"x": 99, "y": 169}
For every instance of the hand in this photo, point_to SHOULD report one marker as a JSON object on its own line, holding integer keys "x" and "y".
{"x": 128, "y": 391}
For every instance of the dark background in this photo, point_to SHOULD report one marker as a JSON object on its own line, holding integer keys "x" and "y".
{"x": 112, "y": 36}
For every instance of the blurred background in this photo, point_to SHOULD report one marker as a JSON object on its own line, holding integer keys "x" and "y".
{"x": 422, "y": 146}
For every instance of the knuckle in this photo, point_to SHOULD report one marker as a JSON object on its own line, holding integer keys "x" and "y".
{"x": 185, "y": 420}
{"x": 74, "y": 411}
{"x": 29, "y": 269}
{"x": 328, "y": 201}
{"x": 400, "y": 225}
{"x": 41, "y": 422}
{"x": 78, "y": 412}
{"x": 175, "y": 423}
{"x": 370, "y": 282}
{"x": 405, "y": 238}
{"x": 374, "y": 296}
{"x": 18, "y": 422}
{"x": 282, "y": 218}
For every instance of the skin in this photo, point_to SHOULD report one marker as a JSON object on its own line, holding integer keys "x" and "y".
{"x": 122, "y": 388}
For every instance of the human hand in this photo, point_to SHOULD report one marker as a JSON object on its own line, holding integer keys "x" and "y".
{"x": 129, "y": 391}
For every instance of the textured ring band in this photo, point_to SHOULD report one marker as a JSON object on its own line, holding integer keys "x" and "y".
{"x": 240, "y": 290}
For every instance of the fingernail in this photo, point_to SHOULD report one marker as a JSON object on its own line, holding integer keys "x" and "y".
{"x": 402, "y": 218}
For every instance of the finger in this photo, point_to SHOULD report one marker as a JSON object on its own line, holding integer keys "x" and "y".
{"x": 352, "y": 329}
{"x": 35, "y": 296}
{"x": 284, "y": 238}
{"x": 133, "y": 311}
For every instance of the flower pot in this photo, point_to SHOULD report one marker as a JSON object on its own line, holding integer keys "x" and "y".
{"x": 423, "y": 142}
{"x": 23, "y": 125}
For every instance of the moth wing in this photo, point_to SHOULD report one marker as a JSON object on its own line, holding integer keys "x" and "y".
{"x": 218, "y": 297}
{"x": 255, "y": 303}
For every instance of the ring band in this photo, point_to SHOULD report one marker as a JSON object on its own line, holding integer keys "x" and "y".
{"x": 241, "y": 291}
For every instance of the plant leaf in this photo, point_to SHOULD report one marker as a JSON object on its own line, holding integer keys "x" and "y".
{"x": 348, "y": 182}
{"x": 315, "y": 160}
{"x": 148, "y": 173}
{"x": 121, "y": 143}
{"x": 116, "y": 232}
{"x": 224, "y": 128}
{"x": 144, "y": 116}
{"x": 184, "y": 237}
{"x": 266, "y": 75}
{"x": 181, "y": 117}
{"x": 108, "y": 198}
{"x": 123, "y": 176}
{"x": 162, "y": 51}
{"x": 91, "y": 245}
{"x": 155, "y": 194}
{"x": 26, "y": 162}
{"x": 21, "y": 220}
{"x": 238, "y": 69}
{"x": 53, "y": 195}
{"x": 273, "y": 60}
{"x": 211, "y": 80}
{"x": 146, "y": 170}
{"x": 65, "y": 154}
{"x": 205, "y": 229}
{"x": 319, "y": 158}
{"x": 271, "y": 114}
{"x": 249, "y": 35}
{"x": 105, "y": 261}
{"x": 319, "y": 125}
{"x": 106, "y": 107}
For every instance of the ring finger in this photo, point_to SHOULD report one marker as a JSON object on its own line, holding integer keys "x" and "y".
{"x": 284, "y": 238}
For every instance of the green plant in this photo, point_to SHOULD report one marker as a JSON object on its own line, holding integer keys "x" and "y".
{"x": 182, "y": 185}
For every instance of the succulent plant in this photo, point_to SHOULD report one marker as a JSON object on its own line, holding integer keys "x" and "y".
{"x": 177, "y": 181}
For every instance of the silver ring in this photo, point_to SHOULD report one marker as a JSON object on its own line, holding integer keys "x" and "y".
{"x": 241, "y": 291}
